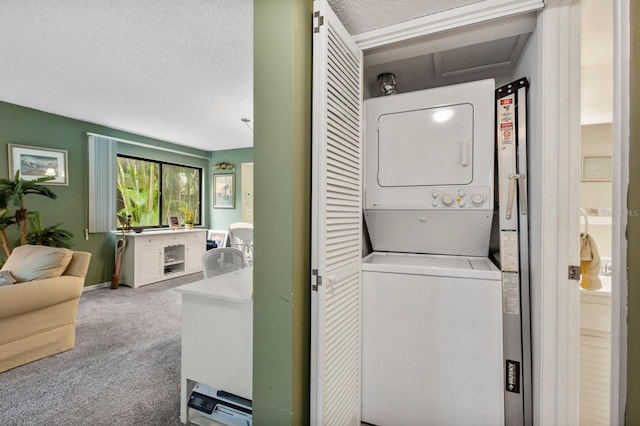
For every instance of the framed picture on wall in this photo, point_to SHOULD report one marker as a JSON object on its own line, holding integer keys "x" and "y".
{"x": 219, "y": 236}
{"x": 596, "y": 168}
{"x": 224, "y": 191}
{"x": 34, "y": 162}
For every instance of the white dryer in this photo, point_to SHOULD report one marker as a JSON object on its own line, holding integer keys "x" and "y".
{"x": 429, "y": 162}
{"x": 431, "y": 341}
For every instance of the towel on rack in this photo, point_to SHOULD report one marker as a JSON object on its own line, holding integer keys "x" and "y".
{"x": 589, "y": 263}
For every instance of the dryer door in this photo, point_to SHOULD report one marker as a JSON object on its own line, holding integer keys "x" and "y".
{"x": 426, "y": 147}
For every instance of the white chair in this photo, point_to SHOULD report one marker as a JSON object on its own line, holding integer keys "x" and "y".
{"x": 241, "y": 236}
{"x": 222, "y": 260}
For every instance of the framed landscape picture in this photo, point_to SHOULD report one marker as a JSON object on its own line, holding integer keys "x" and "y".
{"x": 224, "y": 191}
{"x": 34, "y": 162}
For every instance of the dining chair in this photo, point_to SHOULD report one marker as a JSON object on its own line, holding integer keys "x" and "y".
{"x": 222, "y": 260}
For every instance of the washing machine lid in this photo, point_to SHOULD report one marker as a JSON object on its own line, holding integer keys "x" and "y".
{"x": 431, "y": 265}
{"x": 426, "y": 147}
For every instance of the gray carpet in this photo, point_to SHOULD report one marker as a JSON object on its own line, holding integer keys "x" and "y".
{"x": 124, "y": 370}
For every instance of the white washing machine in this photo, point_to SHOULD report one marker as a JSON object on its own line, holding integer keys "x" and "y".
{"x": 431, "y": 341}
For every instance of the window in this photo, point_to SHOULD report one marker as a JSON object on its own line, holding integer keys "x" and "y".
{"x": 149, "y": 191}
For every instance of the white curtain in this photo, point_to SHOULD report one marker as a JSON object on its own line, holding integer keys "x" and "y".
{"x": 102, "y": 183}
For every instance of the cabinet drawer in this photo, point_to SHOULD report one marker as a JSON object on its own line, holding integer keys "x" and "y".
{"x": 148, "y": 240}
{"x": 183, "y": 237}
{"x": 174, "y": 238}
{"x": 196, "y": 236}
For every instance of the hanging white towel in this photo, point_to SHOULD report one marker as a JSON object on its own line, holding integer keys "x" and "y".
{"x": 589, "y": 263}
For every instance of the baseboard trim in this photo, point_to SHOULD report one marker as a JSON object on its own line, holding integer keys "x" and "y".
{"x": 96, "y": 286}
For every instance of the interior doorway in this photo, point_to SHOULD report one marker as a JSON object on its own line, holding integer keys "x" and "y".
{"x": 596, "y": 201}
{"x": 247, "y": 192}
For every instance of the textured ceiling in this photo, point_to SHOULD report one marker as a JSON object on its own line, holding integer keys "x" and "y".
{"x": 176, "y": 70}
{"x": 359, "y": 16}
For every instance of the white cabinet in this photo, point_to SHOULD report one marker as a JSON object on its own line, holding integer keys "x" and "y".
{"x": 147, "y": 267}
{"x": 217, "y": 337}
{"x": 193, "y": 253}
{"x": 595, "y": 356}
{"x": 153, "y": 256}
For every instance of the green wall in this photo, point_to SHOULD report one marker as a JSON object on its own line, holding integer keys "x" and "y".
{"x": 25, "y": 126}
{"x": 222, "y": 218}
{"x": 633, "y": 226}
{"x": 282, "y": 180}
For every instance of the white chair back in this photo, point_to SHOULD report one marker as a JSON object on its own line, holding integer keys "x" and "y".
{"x": 241, "y": 237}
{"x": 222, "y": 260}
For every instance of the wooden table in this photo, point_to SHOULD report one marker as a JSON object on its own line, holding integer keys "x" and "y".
{"x": 217, "y": 334}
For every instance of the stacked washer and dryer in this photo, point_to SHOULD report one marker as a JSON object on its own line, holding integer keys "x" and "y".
{"x": 432, "y": 335}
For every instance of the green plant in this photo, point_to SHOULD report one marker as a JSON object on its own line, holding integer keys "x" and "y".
{"x": 12, "y": 192}
{"x": 188, "y": 215}
{"x": 50, "y": 236}
{"x": 5, "y": 221}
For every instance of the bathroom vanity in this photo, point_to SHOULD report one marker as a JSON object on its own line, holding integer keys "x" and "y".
{"x": 595, "y": 354}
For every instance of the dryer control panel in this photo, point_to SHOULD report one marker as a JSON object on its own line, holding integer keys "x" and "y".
{"x": 459, "y": 198}
{"x": 434, "y": 198}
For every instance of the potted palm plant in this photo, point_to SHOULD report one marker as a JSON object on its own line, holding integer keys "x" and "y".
{"x": 51, "y": 236}
{"x": 12, "y": 192}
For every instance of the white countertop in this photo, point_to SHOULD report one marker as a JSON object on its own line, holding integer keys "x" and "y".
{"x": 162, "y": 231}
{"x": 601, "y": 296}
{"x": 234, "y": 286}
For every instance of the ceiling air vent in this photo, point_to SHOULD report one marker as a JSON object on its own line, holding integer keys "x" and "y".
{"x": 494, "y": 56}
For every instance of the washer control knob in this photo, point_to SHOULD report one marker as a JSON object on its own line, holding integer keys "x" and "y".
{"x": 478, "y": 199}
{"x": 434, "y": 203}
{"x": 462, "y": 192}
{"x": 435, "y": 194}
{"x": 447, "y": 199}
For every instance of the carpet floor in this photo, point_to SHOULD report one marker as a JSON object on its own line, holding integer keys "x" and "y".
{"x": 124, "y": 370}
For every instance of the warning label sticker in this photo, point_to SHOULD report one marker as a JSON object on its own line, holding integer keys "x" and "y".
{"x": 511, "y": 293}
{"x": 506, "y": 119}
{"x": 509, "y": 250}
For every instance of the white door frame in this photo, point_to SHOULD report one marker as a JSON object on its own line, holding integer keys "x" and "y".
{"x": 619, "y": 216}
{"x": 556, "y": 331}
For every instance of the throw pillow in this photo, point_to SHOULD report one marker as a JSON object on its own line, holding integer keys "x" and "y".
{"x": 30, "y": 263}
{"x": 6, "y": 278}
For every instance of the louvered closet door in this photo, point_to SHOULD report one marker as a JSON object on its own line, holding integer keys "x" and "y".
{"x": 337, "y": 223}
